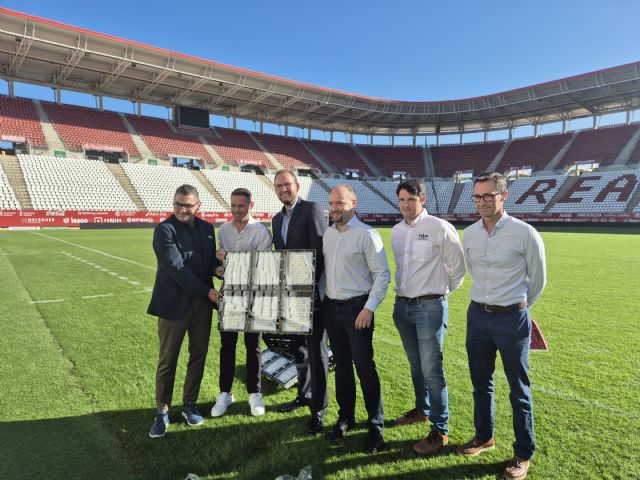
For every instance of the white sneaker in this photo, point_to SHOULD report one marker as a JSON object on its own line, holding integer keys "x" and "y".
{"x": 255, "y": 402}
{"x": 223, "y": 400}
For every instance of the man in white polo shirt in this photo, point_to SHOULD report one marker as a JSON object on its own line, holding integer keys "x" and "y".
{"x": 242, "y": 234}
{"x": 429, "y": 266}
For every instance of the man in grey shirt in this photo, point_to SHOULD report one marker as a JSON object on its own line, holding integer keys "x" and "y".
{"x": 506, "y": 259}
{"x": 357, "y": 276}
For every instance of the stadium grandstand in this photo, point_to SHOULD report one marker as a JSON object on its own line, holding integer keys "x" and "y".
{"x": 125, "y": 166}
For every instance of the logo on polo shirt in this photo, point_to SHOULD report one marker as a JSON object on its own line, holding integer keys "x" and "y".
{"x": 423, "y": 236}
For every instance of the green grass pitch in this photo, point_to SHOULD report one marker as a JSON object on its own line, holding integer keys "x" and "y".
{"x": 78, "y": 356}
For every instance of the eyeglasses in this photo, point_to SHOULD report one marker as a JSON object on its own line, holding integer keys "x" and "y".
{"x": 282, "y": 186}
{"x": 186, "y": 206}
{"x": 487, "y": 197}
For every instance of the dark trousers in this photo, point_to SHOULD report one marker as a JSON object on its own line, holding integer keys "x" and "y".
{"x": 353, "y": 347}
{"x": 228, "y": 341}
{"x": 510, "y": 334}
{"x": 312, "y": 364}
{"x": 197, "y": 324}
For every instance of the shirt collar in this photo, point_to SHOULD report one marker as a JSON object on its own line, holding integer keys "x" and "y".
{"x": 354, "y": 220}
{"x": 498, "y": 225}
{"x": 416, "y": 220}
{"x": 295, "y": 204}
{"x": 251, "y": 221}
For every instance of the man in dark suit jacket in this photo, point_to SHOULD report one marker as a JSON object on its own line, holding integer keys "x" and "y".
{"x": 182, "y": 299}
{"x": 300, "y": 225}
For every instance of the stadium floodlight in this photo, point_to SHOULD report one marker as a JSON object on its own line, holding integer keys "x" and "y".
{"x": 279, "y": 367}
{"x": 268, "y": 292}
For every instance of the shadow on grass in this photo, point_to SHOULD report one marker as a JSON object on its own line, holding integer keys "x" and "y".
{"x": 116, "y": 445}
{"x": 397, "y": 451}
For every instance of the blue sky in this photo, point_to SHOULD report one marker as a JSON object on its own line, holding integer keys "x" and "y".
{"x": 403, "y": 50}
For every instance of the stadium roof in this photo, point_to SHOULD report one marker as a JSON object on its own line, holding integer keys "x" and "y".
{"x": 44, "y": 52}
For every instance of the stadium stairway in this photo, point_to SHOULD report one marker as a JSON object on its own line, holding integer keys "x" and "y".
{"x": 455, "y": 196}
{"x": 557, "y": 158}
{"x": 124, "y": 181}
{"x": 493, "y": 166}
{"x": 210, "y": 188}
{"x": 633, "y": 201}
{"x": 217, "y": 159}
{"x": 16, "y": 179}
{"x": 330, "y": 169}
{"x": 373, "y": 168}
{"x": 137, "y": 139}
{"x": 318, "y": 181}
{"x": 380, "y": 194}
{"x": 54, "y": 141}
{"x": 569, "y": 182}
{"x": 625, "y": 153}
{"x": 271, "y": 158}
{"x": 264, "y": 179}
{"x": 429, "y": 169}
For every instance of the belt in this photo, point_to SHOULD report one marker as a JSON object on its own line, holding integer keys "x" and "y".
{"x": 499, "y": 308}
{"x": 422, "y": 298}
{"x": 350, "y": 301}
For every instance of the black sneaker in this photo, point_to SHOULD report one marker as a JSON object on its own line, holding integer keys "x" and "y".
{"x": 341, "y": 427}
{"x": 375, "y": 439}
{"x": 160, "y": 424}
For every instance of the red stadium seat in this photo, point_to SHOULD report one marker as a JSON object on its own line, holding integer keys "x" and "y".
{"x": 397, "y": 159}
{"x": 78, "y": 126}
{"x": 237, "y": 147}
{"x": 19, "y": 118}
{"x": 164, "y": 142}
{"x": 341, "y": 155}
{"x": 449, "y": 159}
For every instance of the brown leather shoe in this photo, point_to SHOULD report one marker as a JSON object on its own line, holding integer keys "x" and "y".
{"x": 475, "y": 447}
{"x": 430, "y": 445}
{"x": 517, "y": 468}
{"x": 411, "y": 417}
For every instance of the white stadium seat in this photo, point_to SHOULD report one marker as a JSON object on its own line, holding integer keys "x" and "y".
{"x": 156, "y": 186}
{"x": 72, "y": 184}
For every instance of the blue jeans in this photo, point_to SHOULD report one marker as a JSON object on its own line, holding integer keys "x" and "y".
{"x": 510, "y": 334}
{"x": 422, "y": 326}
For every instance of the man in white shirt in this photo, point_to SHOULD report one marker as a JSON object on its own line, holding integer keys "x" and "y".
{"x": 357, "y": 275}
{"x": 242, "y": 234}
{"x": 429, "y": 266}
{"x": 506, "y": 259}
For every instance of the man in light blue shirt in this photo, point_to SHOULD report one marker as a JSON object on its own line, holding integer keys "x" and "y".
{"x": 357, "y": 274}
{"x": 506, "y": 259}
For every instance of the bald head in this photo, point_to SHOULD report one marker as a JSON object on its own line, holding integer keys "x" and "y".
{"x": 342, "y": 204}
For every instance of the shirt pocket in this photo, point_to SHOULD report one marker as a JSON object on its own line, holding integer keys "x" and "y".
{"x": 423, "y": 250}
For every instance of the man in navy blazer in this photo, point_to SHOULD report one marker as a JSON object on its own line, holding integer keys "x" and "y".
{"x": 300, "y": 225}
{"x": 183, "y": 298}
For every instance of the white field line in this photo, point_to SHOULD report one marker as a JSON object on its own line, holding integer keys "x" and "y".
{"x": 536, "y": 387}
{"x": 100, "y": 267}
{"x": 91, "y": 297}
{"x": 100, "y": 252}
